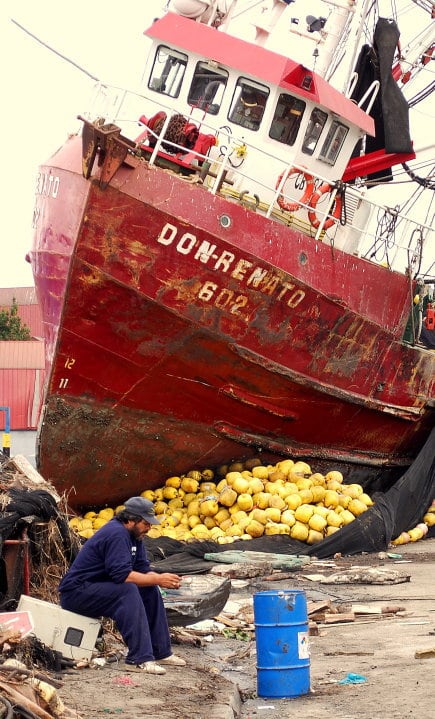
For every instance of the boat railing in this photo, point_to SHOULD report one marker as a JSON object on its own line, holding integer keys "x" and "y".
{"x": 241, "y": 181}
{"x": 225, "y": 165}
{"x": 371, "y": 92}
{"x": 402, "y": 245}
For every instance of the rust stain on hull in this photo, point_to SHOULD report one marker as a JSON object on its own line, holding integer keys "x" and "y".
{"x": 179, "y": 345}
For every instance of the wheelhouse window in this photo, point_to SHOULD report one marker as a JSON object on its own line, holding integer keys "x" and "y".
{"x": 287, "y": 119}
{"x": 334, "y": 142}
{"x": 207, "y": 88}
{"x": 314, "y": 130}
{"x": 248, "y": 104}
{"x": 168, "y": 71}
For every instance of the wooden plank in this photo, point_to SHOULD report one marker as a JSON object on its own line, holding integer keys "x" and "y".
{"x": 23, "y": 466}
{"x": 338, "y": 618}
{"x": 314, "y": 607}
{"x": 425, "y": 653}
{"x": 313, "y": 629}
{"x": 392, "y": 609}
{"x": 233, "y": 623}
{"x": 365, "y": 609}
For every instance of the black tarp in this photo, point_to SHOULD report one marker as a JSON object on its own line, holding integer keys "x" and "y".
{"x": 395, "y": 511}
{"x": 394, "y": 106}
{"x": 24, "y": 509}
{"x": 390, "y": 110}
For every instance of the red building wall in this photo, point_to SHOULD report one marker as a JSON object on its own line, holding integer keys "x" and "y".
{"x": 22, "y": 364}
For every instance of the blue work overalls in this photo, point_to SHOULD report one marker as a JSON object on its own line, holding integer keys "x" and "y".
{"x": 95, "y": 587}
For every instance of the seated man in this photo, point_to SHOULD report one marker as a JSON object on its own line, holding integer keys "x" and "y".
{"x": 111, "y": 577}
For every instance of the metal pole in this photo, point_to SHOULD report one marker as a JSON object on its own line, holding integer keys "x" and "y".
{"x": 7, "y": 433}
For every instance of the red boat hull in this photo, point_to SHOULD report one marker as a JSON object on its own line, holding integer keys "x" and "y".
{"x": 185, "y": 331}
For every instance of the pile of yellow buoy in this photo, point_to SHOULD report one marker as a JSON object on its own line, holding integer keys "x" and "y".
{"x": 420, "y": 530}
{"x": 249, "y": 499}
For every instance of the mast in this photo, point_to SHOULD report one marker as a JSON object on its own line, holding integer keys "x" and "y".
{"x": 318, "y": 42}
{"x": 350, "y": 42}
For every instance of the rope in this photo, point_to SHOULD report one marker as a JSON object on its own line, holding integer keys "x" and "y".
{"x": 418, "y": 254}
{"x": 341, "y": 191}
{"x": 384, "y": 239}
{"x": 9, "y": 710}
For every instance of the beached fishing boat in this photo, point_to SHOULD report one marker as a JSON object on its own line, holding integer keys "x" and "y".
{"x": 215, "y": 275}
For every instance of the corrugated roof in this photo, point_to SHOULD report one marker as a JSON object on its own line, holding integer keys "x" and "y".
{"x": 23, "y": 296}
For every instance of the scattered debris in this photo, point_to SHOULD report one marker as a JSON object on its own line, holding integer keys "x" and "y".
{"x": 353, "y": 679}
{"x": 361, "y": 575}
{"x": 425, "y": 653}
{"x": 31, "y": 696}
{"x": 239, "y": 570}
{"x": 325, "y": 612}
{"x": 354, "y": 653}
{"x": 267, "y": 560}
{"x": 190, "y": 637}
{"x": 389, "y": 610}
{"x": 17, "y": 471}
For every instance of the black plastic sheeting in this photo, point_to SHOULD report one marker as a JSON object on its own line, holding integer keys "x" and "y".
{"x": 397, "y": 510}
{"x": 390, "y": 110}
{"x": 394, "y": 106}
{"x": 27, "y": 506}
{"x": 22, "y": 508}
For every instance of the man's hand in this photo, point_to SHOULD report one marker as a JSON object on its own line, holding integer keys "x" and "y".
{"x": 165, "y": 580}
{"x": 169, "y": 581}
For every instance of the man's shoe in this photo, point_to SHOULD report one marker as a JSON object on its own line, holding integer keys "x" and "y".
{"x": 173, "y": 661}
{"x": 145, "y": 667}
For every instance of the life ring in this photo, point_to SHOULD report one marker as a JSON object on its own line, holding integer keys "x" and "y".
{"x": 306, "y": 196}
{"x": 335, "y": 212}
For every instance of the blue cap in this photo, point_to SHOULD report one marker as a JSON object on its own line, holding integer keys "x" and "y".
{"x": 143, "y": 508}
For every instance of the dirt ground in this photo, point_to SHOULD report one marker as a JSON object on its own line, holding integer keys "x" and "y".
{"x": 220, "y": 679}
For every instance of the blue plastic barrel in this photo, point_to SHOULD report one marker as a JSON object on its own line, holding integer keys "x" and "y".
{"x": 281, "y": 637}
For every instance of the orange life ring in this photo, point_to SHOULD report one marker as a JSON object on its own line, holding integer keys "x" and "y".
{"x": 306, "y": 196}
{"x": 336, "y": 210}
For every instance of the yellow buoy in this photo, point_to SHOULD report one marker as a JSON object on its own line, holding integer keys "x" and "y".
{"x": 299, "y": 531}
{"x": 173, "y": 482}
{"x": 317, "y": 522}
{"x": 254, "y": 528}
{"x": 245, "y": 502}
{"x": 304, "y": 512}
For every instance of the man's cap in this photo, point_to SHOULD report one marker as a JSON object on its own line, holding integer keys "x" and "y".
{"x": 143, "y": 508}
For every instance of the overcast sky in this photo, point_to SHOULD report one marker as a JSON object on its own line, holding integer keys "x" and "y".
{"x": 43, "y": 94}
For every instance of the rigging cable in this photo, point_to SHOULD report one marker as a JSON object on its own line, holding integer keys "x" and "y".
{"x": 427, "y": 182}
{"x": 44, "y": 44}
{"x": 422, "y": 95}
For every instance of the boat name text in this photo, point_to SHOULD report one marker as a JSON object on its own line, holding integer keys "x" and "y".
{"x": 242, "y": 270}
{"x": 47, "y": 184}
